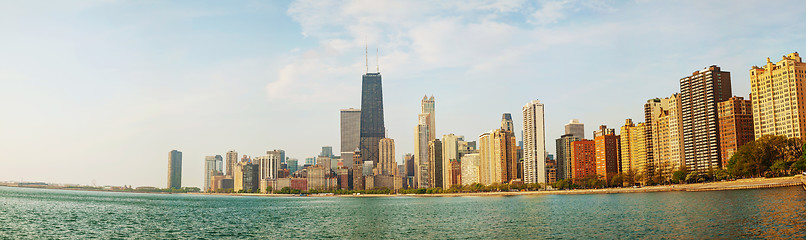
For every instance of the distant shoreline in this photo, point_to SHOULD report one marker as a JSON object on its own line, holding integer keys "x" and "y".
{"x": 740, "y": 184}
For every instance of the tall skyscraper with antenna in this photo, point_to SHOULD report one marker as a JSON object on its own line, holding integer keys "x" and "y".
{"x": 372, "y": 127}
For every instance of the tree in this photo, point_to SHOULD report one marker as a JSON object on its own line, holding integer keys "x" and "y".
{"x": 679, "y": 175}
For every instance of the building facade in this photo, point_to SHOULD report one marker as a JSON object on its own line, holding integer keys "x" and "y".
{"x": 576, "y": 128}
{"x": 421, "y": 170}
{"x": 175, "y": 169}
{"x": 450, "y": 152}
{"x": 607, "y": 152}
{"x": 534, "y": 143}
{"x": 583, "y": 159}
{"x": 735, "y": 126}
{"x": 435, "y": 166}
{"x": 213, "y": 165}
{"x": 776, "y": 92}
{"x": 372, "y": 128}
{"x": 232, "y": 159}
{"x": 386, "y": 165}
{"x": 563, "y": 145}
{"x": 699, "y": 95}
{"x": 350, "y": 133}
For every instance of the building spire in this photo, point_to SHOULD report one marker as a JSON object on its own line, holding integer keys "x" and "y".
{"x": 366, "y": 54}
{"x": 377, "y": 63}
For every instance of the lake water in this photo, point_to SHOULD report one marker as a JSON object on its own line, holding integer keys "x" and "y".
{"x": 760, "y": 213}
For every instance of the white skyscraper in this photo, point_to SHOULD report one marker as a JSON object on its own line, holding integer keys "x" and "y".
{"x": 534, "y": 143}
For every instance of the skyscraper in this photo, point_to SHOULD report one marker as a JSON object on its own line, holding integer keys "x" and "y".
{"x": 563, "y": 145}
{"x": 350, "y": 134}
{"x": 427, "y": 106}
{"x": 212, "y": 166}
{"x": 735, "y": 126}
{"x": 232, "y": 159}
{"x": 386, "y": 164}
{"x": 450, "y": 152}
{"x": 777, "y": 92}
{"x": 506, "y": 122}
{"x": 372, "y": 127}
{"x": 576, "y": 128}
{"x": 534, "y": 143}
{"x": 293, "y": 165}
{"x": 435, "y": 166}
{"x": 269, "y": 164}
{"x": 470, "y": 168}
{"x": 421, "y": 152}
{"x": 327, "y": 151}
{"x": 175, "y": 169}
{"x": 699, "y": 95}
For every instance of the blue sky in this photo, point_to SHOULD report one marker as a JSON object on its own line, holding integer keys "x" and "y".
{"x": 102, "y": 90}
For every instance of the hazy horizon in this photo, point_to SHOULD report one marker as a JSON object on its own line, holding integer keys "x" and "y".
{"x": 103, "y": 90}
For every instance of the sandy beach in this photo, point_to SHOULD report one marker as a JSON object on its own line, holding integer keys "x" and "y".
{"x": 752, "y": 183}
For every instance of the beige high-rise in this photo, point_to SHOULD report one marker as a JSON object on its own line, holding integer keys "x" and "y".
{"x": 450, "y": 152}
{"x": 776, "y": 91}
{"x": 386, "y": 158}
{"x": 421, "y": 152}
{"x": 427, "y": 106}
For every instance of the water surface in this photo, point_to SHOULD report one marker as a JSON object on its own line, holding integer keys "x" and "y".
{"x": 759, "y": 213}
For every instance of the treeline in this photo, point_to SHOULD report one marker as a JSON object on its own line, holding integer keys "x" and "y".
{"x": 769, "y": 156}
{"x": 162, "y": 190}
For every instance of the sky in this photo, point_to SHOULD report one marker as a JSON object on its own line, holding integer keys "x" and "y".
{"x": 100, "y": 91}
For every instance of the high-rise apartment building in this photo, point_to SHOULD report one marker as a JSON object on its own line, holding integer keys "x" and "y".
{"x": 505, "y": 156}
{"x": 350, "y": 134}
{"x": 175, "y": 169}
{"x": 607, "y": 152}
{"x": 735, "y": 126}
{"x": 676, "y": 153}
{"x": 456, "y": 173}
{"x": 269, "y": 165}
{"x": 435, "y": 166}
{"x": 232, "y": 159}
{"x": 325, "y": 162}
{"x": 576, "y": 128}
{"x": 421, "y": 152}
{"x": 372, "y": 126}
{"x": 699, "y": 95}
{"x": 486, "y": 158}
{"x": 634, "y": 162}
{"x": 246, "y": 177}
{"x": 777, "y": 94}
{"x": 450, "y": 152}
{"x": 213, "y": 165}
{"x": 583, "y": 159}
{"x": 534, "y": 143}
{"x": 563, "y": 146}
{"x": 386, "y": 164}
{"x": 358, "y": 171}
{"x": 470, "y": 168}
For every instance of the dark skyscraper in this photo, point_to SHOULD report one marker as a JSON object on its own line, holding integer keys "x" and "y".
{"x": 372, "y": 129}
{"x": 175, "y": 169}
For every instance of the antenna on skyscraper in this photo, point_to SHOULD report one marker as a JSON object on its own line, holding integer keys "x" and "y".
{"x": 377, "y": 63}
{"x": 366, "y": 53}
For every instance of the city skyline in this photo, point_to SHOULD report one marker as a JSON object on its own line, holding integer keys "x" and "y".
{"x": 118, "y": 98}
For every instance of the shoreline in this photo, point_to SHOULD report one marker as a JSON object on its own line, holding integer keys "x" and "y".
{"x": 739, "y": 184}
